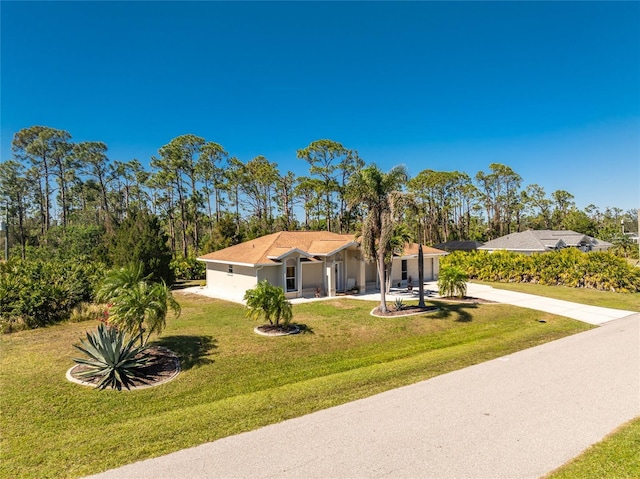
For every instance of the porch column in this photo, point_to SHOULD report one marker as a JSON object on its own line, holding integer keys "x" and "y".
{"x": 331, "y": 280}
{"x": 362, "y": 283}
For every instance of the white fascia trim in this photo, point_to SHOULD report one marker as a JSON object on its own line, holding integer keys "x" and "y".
{"x": 237, "y": 263}
{"x": 290, "y": 252}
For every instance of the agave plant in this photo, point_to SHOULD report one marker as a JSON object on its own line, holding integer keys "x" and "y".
{"x": 399, "y": 304}
{"x": 113, "y": 359}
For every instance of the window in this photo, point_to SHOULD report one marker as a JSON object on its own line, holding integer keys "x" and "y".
{"x": 291, "y": 276}
{"x": 404, "y": 270}
{"x": 230, "y": 270}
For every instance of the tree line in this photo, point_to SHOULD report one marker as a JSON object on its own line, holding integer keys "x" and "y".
{"x": 206, "y": 199}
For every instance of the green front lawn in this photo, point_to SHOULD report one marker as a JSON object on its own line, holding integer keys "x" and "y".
{"x": 234, "y": 380}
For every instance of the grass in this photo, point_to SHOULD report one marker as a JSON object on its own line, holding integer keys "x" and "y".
{"x": 617, "y": 456}
{"x": 605, "y": 299}
{"x": 234, "y": 380}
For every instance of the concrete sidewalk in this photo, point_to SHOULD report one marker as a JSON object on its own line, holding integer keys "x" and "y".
{"x": 518, "y": 416}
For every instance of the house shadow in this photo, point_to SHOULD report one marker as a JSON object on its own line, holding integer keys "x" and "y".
{"x": 458, "y": 311}
{"x": 192, "y": 350}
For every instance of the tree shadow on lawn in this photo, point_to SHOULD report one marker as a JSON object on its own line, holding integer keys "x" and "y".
{"x": 192, "y": 350}
{"x": 447, "y": 310}
{"x": 304, "y": 329}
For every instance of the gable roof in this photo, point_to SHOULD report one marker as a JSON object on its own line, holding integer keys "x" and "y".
{"x": 459, "y": 245}
{"x": 540, "y": 240}
{"x": 270, "y": 249}
{"x": 411, "y": 249}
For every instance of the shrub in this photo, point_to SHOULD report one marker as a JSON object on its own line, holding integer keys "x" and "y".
{"x": 38, "y": 293}
{"x": 452, "y": 281}
{"x": 268, "y": 301}
{"x": 114, "y": 360}
{"x": 188, "y": 268}
{"x": 567, "y": 267}
{"x": 88, "y": 312}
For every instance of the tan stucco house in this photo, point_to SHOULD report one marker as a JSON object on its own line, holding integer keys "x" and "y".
{"x": 308, "y": 263}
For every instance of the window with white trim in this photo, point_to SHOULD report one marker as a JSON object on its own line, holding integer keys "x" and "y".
{"x": 290, "y": 276}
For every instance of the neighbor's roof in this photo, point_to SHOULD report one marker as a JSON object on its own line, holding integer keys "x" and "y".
{"x": 459, "y": 245}
{"x": 411, "y": 249}
{"x": 271, "y": 248}
{"x": 540, "y": 240}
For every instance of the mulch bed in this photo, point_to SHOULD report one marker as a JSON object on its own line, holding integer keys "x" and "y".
{"x": 277, "y": 330}
{"x": 166, "y": 365}
{"x": 405, "y": 311}
{"x": 465, "y": 299}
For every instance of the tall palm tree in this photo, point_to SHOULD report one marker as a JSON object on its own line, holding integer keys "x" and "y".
{"x": 137, "y": 304}
{"x": 381, "y": 197}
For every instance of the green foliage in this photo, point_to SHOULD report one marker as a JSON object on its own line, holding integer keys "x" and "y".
{"x": 140, "y": 239}
{"x": 188, "y": 268}
{"x": 39, "y": 293}
{"x": 113, "y": 359}
{"x": 567, "y": 267}
{"x": 136, "y": 303}
{"x": 268, "y": 301}
{"x": 88, "y": 312}
{"x": 399, "y": 304}
{"x": 452, "y": 281}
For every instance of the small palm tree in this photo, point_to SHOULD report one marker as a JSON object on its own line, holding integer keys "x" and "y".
{"x": 452, "y": 281}
{"x": 137, "y": 304}
{"x": 268, "y": 301}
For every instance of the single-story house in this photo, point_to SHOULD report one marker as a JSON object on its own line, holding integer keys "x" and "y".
{"x": 308, "y": 263}
{"x": 539, "y": 241}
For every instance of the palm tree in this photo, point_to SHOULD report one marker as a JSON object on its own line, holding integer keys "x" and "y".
{"x": 452, "y": 281}
{"x": 270, "y": 302}
{"x": 137, "y": 304}
{"x": 380, "y": 195}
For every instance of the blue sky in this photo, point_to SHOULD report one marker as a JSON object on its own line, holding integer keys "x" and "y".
{"x": 551, "y": 89}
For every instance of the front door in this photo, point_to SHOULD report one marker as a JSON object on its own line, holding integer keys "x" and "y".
{"x": 339, "y": 276}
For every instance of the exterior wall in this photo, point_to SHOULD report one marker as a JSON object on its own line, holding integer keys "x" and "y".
{"x": 234, "y": 285}
{"x": 312, "y": 275}
{"x": 371, "y": 272}
{"x": 273, "y": 274}
{"x": 431, "y": 269}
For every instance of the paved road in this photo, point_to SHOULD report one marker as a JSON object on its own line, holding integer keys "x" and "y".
{"x": 519, "y": 416}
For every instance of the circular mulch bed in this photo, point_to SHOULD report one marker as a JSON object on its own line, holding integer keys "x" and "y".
{"x": 279, "y": 330}
{"x": 405, "y": 311}
{"x": 166, "y": 366}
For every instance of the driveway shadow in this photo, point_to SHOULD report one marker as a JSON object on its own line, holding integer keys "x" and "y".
{"x": 192, "y": 350}
{"x": 456, "y": 310}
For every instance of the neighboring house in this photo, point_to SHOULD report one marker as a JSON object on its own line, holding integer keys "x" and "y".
{"x": 459, "y": 245}
{"x": 307, "y": 263}
{"x": 539, "y": 241}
